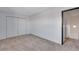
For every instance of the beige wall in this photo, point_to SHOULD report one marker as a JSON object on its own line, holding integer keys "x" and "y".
{"x": 71, "y": 20}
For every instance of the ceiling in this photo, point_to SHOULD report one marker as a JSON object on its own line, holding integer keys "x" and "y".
{"x": 26, "y": 11}
{"x": 74, "y": 12}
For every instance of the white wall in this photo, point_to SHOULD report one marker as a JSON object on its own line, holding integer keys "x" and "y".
{"x": 13, "y": 26}
{"x": 66, "y": 24}
{"x": 47, "y": 24}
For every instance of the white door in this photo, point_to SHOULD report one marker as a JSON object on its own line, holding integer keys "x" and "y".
{"x": 21, "y": 26}
{"x": 12, "y": 27}
{"x": 2, "y": 27}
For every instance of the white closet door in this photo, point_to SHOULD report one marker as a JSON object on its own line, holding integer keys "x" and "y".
{"x": 2, "y": 27}
{"x": 12, "y": 28}
{"x": 22, "y": 26}
{"x": 1, "y": 32}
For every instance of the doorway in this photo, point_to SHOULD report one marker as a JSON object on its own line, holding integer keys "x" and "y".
{"x": 70, "y": 24}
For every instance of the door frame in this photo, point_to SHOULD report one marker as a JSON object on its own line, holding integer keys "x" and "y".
{"x": 62, "y": 40}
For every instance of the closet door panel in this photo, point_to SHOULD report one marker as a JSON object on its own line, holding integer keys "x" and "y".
{"x": 22, "y": 26}
{"x": 2, "y": 27}
{"x": 1, "y": 33}
{"x": 12, "y": 27}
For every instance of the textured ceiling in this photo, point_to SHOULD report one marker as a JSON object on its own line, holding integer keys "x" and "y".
{"x": 26, "y": 11}
{"x": 73, "y": 12}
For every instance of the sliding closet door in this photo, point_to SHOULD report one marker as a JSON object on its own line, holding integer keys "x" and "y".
{"x": 22, "y": 26}
{"x": 12, "y": 27}
{"x": 2, "y": 27}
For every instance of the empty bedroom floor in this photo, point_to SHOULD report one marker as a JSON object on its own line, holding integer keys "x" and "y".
{"x": 34, "y": 43}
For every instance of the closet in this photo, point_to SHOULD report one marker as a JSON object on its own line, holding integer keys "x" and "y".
{"x": 11, "y": 26}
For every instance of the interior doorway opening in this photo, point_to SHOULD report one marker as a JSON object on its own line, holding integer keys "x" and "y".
{"x": 70, "y": 25}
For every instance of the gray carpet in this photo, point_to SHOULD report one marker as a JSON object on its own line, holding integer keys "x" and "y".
{"x": 34, "y": 43}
